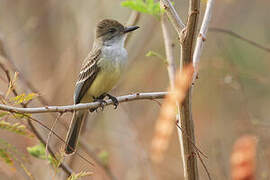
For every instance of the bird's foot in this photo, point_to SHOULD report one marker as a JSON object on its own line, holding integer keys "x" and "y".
{"x": 114, "y": 100}
{"x": 102, "y": 102}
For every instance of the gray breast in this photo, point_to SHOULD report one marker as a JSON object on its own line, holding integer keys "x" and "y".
{"x": 113, "y": 58}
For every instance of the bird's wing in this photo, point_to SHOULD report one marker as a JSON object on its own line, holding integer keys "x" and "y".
{"x": 87, "y": 74}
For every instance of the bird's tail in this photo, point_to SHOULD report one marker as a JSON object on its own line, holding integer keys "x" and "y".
{"x": 74, "y": 132}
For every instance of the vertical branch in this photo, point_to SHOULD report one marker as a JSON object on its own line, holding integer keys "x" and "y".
{"x": 202, "y": 36}
{"x": 168, "y": 50}
{"x": 171, "y": 72}
{"x": 186, "y": 123}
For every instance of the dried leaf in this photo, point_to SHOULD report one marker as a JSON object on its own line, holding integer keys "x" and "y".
{"x": 243, "y": 159}
{"x": 166, "y": 121}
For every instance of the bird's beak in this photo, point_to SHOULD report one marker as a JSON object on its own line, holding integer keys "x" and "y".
{"x": 130, "y": 28}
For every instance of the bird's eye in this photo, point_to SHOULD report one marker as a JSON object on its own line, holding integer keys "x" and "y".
{"x": 112, "y": 30}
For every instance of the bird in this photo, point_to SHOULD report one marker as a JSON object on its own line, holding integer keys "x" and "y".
{"x": 100, "y": 71}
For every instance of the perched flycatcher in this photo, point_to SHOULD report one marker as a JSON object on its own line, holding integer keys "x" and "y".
{"x": 100, "y": 71}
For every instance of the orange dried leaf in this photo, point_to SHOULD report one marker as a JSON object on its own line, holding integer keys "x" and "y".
{"x": 165, "y": 122}
{"x": 243, "y": 158}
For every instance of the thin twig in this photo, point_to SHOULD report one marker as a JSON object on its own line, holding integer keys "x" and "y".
{"x": 173, "y": 15}
{"x": 202, "y": 37}
{"x": 198, "y": 153}
{"x": 204, "y": 165}
{"x": 71, "y": 108}
{"x": 234, "y": 34}
{"x": 194, "y": 145}
{"x": 50, "y": 133}
{"x": 171, "y": 71}
{"x": 168, "y": 43}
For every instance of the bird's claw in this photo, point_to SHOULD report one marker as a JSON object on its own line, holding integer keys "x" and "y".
{"x": 114, "y": 100}
{"x": 102, "y": 104}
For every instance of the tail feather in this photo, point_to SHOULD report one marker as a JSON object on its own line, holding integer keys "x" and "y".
{"x": 74, "y": 132}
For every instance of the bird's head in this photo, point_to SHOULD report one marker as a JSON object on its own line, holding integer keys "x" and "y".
{"x": 111, "y": 31}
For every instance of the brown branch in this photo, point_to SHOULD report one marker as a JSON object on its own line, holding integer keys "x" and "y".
{"x": 236, "y": 35}
{"x": 186, "y": 121}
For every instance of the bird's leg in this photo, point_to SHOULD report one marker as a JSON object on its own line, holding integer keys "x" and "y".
{"x": 102, "y": 102}
{"x": 114, "y": 100}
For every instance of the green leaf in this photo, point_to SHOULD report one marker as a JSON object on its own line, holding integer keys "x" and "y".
{"x": 37, "y": 151}
{"x": 79, "y": 175}
{"x": 149, "y": 6}
{"x": 15, "y": 128}
{"x": 155, "y": 54}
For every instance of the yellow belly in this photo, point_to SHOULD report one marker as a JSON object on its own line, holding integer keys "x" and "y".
{"x": 103, "y": 83}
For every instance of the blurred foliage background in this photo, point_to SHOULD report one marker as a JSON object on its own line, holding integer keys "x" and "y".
{"x": 47, "y": 40}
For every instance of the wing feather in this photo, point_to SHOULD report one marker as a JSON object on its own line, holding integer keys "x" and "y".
{"x": 87, "y": 74}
